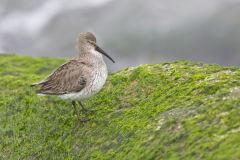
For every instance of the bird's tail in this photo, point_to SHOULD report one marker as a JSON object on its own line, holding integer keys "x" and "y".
{"x": 37, "y": 84}
{"x": 33, "y": 85}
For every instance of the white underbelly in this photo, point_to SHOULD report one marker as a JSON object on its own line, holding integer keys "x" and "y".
{"x": 93, "y": 87}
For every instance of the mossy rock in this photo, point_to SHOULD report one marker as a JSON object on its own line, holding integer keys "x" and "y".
{"x": 177, "y": 110}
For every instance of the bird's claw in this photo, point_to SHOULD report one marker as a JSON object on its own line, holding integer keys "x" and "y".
{"x": 86, "y": 110}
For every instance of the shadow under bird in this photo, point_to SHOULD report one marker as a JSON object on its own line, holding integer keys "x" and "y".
{"x": 81, "y": 77}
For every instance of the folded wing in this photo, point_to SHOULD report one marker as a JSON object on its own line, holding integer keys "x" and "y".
{"x": 68, "y": 78}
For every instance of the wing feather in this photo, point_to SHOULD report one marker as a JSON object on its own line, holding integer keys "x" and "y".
{"x": 68, "y": 78}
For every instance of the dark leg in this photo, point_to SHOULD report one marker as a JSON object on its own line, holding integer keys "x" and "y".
{"x": 83, "y": 108}
{"x": 77, "y": 113}
{"x": 75, "y": 109}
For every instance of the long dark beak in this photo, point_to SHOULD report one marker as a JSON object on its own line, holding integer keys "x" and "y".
{"x": 104, "y": 53}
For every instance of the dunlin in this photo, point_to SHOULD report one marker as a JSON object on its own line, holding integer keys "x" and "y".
{"x": 81, "y": 77}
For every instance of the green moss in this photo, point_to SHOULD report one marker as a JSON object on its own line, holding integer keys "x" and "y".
{"x": 178, "y": 110}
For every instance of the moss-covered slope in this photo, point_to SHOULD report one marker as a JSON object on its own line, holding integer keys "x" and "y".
{"x": 179, "y": 110}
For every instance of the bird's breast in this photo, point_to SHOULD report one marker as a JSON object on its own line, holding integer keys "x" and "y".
{"x": 98, "y": 78}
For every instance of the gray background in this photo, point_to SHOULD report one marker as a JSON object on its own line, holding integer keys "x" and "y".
{"x": 133, "y": 32}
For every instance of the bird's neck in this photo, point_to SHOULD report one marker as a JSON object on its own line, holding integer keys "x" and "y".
{"x": 91, "y": 55}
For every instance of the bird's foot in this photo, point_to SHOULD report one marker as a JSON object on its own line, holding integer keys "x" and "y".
{"x": 84, "y": 120}
{"x": 80, "y": 122}
{"x": 86, "y": 110}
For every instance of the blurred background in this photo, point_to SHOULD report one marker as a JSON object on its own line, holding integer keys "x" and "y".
{"x": 133, "y": 32}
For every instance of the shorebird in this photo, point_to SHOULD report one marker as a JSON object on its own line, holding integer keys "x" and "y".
{"x": 81, "y": 77}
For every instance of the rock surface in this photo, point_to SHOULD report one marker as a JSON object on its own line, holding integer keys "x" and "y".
{"x": 176, "y": 110}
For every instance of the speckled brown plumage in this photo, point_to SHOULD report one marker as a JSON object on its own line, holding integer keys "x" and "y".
{"x": 68, "y": 78}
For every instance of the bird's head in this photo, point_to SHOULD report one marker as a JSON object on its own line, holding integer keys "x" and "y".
{"x": 87, "y": 41}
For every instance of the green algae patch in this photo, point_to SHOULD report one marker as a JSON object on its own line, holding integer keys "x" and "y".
{"x": 177, "y": 110}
